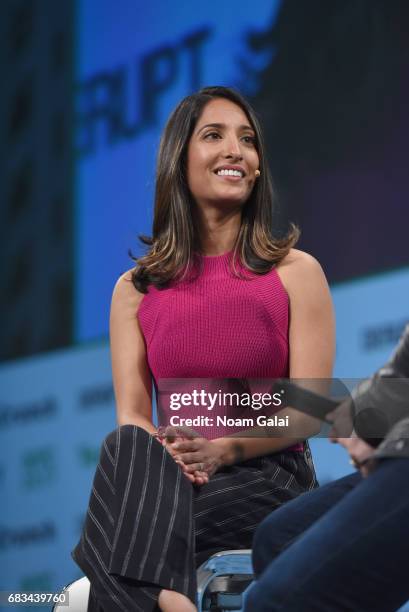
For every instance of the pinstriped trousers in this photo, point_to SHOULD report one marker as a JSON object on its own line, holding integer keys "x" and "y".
{"x": 147, "y": 528}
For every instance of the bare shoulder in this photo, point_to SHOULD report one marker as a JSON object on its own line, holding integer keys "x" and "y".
{"x": 299, "y": 270}
{"x": 125, "y": 295}
{"x": 299, "y": 261}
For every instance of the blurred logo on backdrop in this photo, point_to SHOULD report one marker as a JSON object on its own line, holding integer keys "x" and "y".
{"x": 27, "y": 535}
{"x": 39, "y": 581}
{"x": 87, "y": 456}
{"x": 96, "y": 397}
{"x": 24, "y": 413}
{"x": 105, "y": 97}
{"x": 383, "y": 335}
{"x": 38, "y": 467}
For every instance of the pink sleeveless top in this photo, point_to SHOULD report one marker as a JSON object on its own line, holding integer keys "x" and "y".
{"x": 216, "y": 326}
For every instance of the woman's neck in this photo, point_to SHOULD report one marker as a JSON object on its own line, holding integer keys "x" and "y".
{"x": 217, "y": 235}
{"x": 216, "y": 247}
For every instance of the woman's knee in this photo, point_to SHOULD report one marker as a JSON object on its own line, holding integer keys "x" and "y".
{"x": 128, "y": 439}
{"x": 123, "y": 435}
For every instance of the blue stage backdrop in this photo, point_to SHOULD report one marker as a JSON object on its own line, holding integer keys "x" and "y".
{"x": 133, "y": 66}
{"x": 333, "y": 125}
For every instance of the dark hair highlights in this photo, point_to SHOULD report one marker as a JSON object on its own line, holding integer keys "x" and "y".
{"x": 174, "y": 237}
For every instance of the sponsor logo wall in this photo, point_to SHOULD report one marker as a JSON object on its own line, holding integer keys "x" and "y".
{"x": 54, "y": 412}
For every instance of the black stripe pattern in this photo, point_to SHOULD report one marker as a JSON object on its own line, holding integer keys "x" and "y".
{"x": 147, "y": 528}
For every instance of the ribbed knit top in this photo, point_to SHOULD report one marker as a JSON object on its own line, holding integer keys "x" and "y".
{"x": 216, "y": 326}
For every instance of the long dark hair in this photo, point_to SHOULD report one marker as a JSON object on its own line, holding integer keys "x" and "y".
{"x": 174, "y": 236}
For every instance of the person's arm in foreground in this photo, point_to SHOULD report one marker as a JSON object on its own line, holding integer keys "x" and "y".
{"x": 311, "y": 350}
{"x": 379, "y": 393}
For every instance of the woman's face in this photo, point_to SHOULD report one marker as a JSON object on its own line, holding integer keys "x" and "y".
{"x": 222, "y": 157}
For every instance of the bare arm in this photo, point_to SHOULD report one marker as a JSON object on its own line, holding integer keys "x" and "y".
{"x": 311, "y": 347}
{"x": 131, "y": 375}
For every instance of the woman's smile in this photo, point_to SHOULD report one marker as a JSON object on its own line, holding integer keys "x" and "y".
{"x": 230, "y": 172}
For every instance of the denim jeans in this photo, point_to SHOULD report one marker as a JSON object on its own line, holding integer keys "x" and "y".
{"x": 344, "y": 547}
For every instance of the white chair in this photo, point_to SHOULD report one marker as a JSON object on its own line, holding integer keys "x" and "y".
{"x": 221, "y": 581}
{"x": 78, "y": 592}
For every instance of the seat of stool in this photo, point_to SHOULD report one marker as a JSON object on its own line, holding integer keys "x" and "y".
{"x": 221, "y": 579}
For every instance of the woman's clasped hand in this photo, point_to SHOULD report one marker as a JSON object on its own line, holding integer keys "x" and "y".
{"x": 198, "y": 457}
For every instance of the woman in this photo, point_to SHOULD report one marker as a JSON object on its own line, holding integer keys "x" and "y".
{"x": 216, "y": 296}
